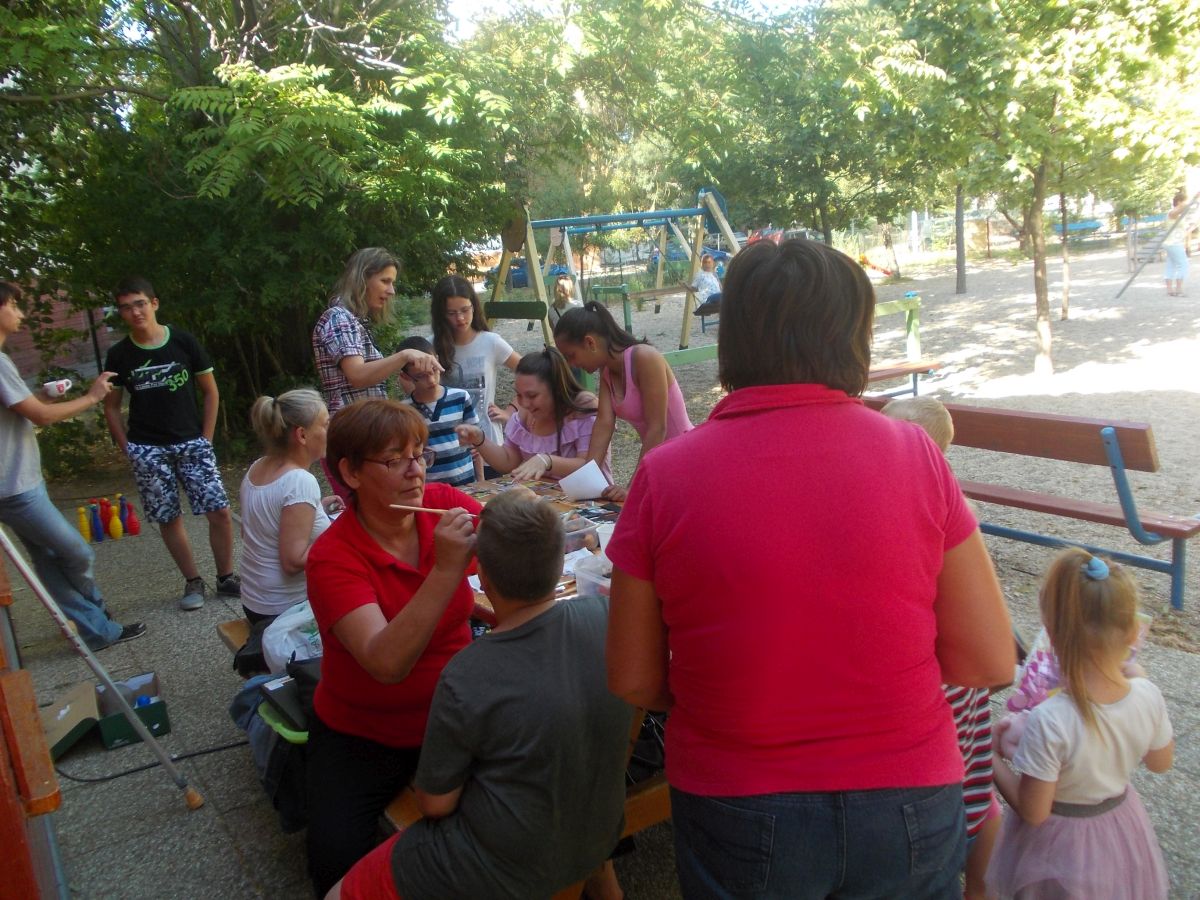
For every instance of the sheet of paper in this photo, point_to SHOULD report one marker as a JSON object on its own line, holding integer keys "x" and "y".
{"x": 586, "y": 483}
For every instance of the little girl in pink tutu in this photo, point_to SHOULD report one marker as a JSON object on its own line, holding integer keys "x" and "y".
{"x": 1076, "y": 827}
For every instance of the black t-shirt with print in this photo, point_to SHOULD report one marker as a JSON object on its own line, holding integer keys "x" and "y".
{"x": 160, "y": 381}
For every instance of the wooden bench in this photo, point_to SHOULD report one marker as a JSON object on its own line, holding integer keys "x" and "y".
{"x": 647, "y": 803}
{"x": 913, "y": 365}
{"x": 1099, "y": 442}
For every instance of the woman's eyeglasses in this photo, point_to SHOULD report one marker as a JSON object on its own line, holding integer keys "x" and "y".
{"x": 425, "y": 459}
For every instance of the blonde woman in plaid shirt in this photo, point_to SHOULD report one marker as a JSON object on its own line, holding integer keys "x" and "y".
{"x": 349, "y": 364}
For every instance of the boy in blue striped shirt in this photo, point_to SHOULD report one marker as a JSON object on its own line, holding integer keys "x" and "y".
{"x": 443, "y": 408}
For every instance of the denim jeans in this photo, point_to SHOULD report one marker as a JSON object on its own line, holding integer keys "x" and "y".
{"x": 63, "y": 561}
{"x": 897, "y": 843}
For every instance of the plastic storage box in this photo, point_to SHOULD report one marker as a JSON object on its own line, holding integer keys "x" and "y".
{"x": 593, "y": 577}
{"x": 581, "y": 534}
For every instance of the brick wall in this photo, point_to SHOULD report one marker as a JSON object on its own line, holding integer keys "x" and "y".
{"x": 79, "y": 356}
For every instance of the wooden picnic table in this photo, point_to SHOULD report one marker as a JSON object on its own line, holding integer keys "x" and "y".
{"x": 235, "y": 632}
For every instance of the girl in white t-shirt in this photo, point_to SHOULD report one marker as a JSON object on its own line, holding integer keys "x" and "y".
{"x": 1076, "y": 827}
{"x": 281, "y": 504}
{"x": 469, "y": 352}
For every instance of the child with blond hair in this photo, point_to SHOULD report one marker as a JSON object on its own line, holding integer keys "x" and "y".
{"x": 970, "y": 706}
{"x": 1076, "y": 827}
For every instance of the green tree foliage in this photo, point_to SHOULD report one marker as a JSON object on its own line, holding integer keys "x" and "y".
{"x": 235, "y": 152}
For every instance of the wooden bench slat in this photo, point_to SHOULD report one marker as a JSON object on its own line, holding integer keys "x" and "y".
{"x": 1102, "y": 513}
{"x": 234, "y": 633}
{"x": 26, "y": 742}
{"x": 1051, "y": 436}
{"x": 647, "y": 803}
{"x": 901, "y": 369}
{"x": 1046, "y": 435}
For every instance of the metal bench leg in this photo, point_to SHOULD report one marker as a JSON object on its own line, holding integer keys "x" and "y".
{"x": 1178, "y": 558}
{"x": 914, "y": 381}
{"x": 628, "y": 315}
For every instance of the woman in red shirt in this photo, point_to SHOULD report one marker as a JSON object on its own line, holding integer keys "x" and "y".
{"x": 794, "y": 579}
{"x": 389, "y": 592}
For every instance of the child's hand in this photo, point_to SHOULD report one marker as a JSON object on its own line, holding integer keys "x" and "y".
{"x": 616, "y": 493}
{"x": 469, "y": 435}
{"x": 498, "y": 415}
{"x": 532, "y": 469}
{"x": 1006, "y": 734}
{"x": 333, "y": 504}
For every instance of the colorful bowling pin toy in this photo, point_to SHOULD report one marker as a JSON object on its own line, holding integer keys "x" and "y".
{"x": 84, "y": 528}
{"x": 115, "y": 531}
{"x": 97, "y": 525}
{"x": 133, "y": 524}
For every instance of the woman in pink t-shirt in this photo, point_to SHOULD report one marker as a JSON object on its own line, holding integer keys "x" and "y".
{"x": 636, "y": 384}
{"x": 794, "y": 579}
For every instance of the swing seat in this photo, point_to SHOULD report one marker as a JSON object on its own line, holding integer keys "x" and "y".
{"x": 534, "y": 310}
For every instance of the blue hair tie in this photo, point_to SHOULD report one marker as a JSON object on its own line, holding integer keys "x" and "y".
{"x": 1095, "y": 568}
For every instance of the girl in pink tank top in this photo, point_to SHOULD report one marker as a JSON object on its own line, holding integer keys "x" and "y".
{"x": 636, "y": 383}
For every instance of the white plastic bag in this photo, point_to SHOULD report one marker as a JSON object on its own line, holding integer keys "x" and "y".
{"x": 295, "y": 631}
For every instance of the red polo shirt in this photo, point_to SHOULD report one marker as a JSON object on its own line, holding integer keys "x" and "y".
{"x": 795, "y": 541}
{"x": 348, "y": 569}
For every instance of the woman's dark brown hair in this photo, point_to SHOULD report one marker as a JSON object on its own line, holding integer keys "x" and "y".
{"x": 368, "y": 427}
{"x": 443, "y": 334}
{"x": 551, "y": 368}
{"x": 795, "y": 313}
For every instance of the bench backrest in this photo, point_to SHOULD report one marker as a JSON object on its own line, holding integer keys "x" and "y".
{"x": 1047, "y": 435}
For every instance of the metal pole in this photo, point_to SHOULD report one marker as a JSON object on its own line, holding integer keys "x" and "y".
{"x": 191, "y": 796}
{"x": 1162, "y": 240}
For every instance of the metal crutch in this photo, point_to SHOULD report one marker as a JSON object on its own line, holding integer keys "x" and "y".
{"x": 191, "y": 796}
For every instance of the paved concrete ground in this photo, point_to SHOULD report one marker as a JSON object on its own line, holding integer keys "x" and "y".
{"x": 132, "y": 836}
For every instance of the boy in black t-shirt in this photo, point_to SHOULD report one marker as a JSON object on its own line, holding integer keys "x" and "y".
{"x": 167, "y": 441}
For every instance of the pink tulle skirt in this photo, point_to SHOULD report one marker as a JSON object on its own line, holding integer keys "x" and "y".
{"x": 1114, "y": 856}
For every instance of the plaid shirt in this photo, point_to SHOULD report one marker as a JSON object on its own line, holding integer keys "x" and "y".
{"x": 339, "y": 334}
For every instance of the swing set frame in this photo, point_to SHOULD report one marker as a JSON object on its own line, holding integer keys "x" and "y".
{"x": 709, "y": 207}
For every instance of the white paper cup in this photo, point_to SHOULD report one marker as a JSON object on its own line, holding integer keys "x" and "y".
{"x": 56, "y": 389}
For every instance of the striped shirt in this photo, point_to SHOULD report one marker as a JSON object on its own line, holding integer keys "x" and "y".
{"x": 973, "y": 720}
{"x": 454, "y": 464}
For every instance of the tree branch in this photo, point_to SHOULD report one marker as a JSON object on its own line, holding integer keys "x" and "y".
{"x": 80, "y": 94}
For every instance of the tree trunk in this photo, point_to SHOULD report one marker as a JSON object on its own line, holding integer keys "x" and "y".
{"x": 1043, "y": 363}
{"x": 960, "y": 242}
{"x": 889, "y": 244}
{"x": 1066, "y": 255}
{"x": 826, "y": 227}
